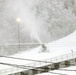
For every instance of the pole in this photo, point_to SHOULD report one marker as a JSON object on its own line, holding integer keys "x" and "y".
{"x": 18, "y": 21}
{"x": 18, "y": 37}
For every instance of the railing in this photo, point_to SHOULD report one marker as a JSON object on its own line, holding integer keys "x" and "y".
{"x": 14, "y": 48}
{"x": 54, "y": 60}
{"x": 39, "y": 64}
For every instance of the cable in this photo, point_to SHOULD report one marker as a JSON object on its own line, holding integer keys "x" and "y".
{"x": 16, "y": 44}
{"x": 25, "y": 59}
{"x": 28, "y": 67}
{"x": 15, "y": 65}
{"x": 28, "y": 59}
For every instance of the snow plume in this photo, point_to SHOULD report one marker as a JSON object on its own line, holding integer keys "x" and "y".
{"x": 28, "y": 20}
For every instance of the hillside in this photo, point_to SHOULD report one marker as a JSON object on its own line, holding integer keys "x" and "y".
{"x": 41, "y": 21}
{"x": 51, "y": 18}
{"x": 56, "y": 50}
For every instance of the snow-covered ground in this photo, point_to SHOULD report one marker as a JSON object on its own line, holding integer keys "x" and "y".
{"x": 72, "y": 72}
{"x": 56, "y": 48}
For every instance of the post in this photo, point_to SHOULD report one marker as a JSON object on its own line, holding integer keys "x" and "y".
{"x": 72, "y": 53}
{"x": 18, "y": 36}
{"x": 18, "y": 21}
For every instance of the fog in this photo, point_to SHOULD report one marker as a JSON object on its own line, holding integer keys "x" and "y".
{"x": 42, "y": 21}
{"x": 28, "y": 25}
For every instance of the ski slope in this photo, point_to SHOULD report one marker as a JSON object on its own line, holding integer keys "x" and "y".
{"x": 56, "y": 48}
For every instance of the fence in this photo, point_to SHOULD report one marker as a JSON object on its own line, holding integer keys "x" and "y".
{"x": 14, "y": 48}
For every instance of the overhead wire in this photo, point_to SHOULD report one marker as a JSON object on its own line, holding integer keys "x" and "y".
{"x": 25, "y": 59}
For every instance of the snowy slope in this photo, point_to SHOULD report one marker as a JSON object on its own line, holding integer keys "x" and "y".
{"x": 64, "y": 45}
{"x": 66, "y": 41}
{"x": 56, "y": 48}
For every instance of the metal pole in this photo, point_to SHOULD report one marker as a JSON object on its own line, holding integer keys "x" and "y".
{"x": 18, "y": 36}
{"x": 18, "y": 21}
